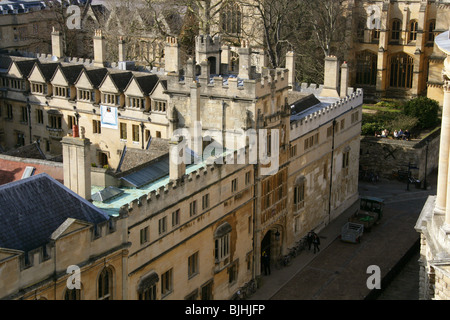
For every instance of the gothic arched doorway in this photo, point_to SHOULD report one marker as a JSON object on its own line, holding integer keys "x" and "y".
{"x": 271, "y": 243}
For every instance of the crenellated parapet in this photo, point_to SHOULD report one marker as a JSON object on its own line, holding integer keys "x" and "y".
{"x": 232, "y": 86}
{"x": 206, "y": 43}
{"x": 157, "y": 200}
{"x": 315, "y": 117}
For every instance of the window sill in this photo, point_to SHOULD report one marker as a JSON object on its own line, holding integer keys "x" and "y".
{"x": 164, "y": 295}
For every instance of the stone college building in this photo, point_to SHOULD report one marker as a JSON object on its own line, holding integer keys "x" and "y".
{"x": 262, "y": 165}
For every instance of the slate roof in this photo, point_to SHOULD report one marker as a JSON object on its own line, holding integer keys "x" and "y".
{"x": 32, "y": 151}
{"x": 33, "y": 208}
{"x": 303, "y": 104}
{"x": 25, "y": 66}
{"x": 147, "y": 83}
{"x": 48, "y": 69}
{"x": 96, "y": 75}
{"x": 135, "y": 159}
{"x": 71, "y": 72}
{"x": 121, "y": 79}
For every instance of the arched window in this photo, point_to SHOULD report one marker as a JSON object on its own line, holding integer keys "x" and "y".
{"x": 413, "y": 26}
{"x": 361, "y": 27}
{"x": 72, "y": 294}
{"x": 234, "y": 62}
{"x": 375, "y": 35}
{"x": 401, "y": 71}
{"x": 366, "y": 68}
{"x": 431, "y": 28}
{"x": 105, "y": 284}
{"x": 231, "y": 19}
{"x": 222, "y": 242}
{"x": 396, "y": 28}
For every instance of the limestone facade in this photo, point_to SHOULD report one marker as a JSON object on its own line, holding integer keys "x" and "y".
{"x": 400, "y": 38}
{"x": 199, "y": 235}
{"x": 433, "y": 223}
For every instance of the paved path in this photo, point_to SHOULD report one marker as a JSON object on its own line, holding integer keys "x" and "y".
{"x": 339, "y": 271}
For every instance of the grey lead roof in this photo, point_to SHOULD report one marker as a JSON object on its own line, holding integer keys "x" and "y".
{"x": 33, "y": 208}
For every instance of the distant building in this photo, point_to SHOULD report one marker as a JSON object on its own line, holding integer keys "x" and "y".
{"x": 392, "y": 53}
{"x": 25, "y": 25}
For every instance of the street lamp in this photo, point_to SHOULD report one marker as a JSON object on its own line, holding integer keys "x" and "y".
{"x": 29, "y": 118}
{"x": 142, "y": 134}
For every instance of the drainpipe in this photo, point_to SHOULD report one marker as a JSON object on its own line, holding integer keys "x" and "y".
{"x": 256, "y": 240}
{"x": 29, "y": 119}
{"x": 331, "y": 172}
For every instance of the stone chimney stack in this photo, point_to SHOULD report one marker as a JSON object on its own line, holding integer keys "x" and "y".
{"x": 177, "y": 158}
{"x": 172, "y": 55}
{"x": 57, "y": 45}
{"x": 331, "y": 78}
{"x": 204, "y": 72}
{"x": 290, "y": 65}
{"x": 77, "y": 165}
{"x": 99, "y": 49}
{"x": 189, "y": 73}
{"x": 122, "y": 49}
{"x": 196, "y": 131}
{"x": 245, "y": 60}
{"x": 344, "y": 79}
{"x": 225, "y": 58}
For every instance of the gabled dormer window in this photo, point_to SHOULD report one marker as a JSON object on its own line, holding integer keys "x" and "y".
{"x": 39, "y": 88}
{"x": 111, "y": 99}
{"x": 134, "y": 102}
{"x": 85, "y": 95}
{"x": 158, "y": 106}
{"x": 62, "y": 92}
{"x": 16, "y": 84}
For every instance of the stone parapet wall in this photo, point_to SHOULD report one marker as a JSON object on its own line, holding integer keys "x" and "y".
{"x": 385, "y": 156}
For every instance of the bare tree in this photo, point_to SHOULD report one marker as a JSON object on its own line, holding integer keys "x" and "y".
{"x": 279, "y": 20}
{"x": 56, "y": 15}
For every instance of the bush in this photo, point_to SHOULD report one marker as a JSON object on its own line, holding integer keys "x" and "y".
{"x": 369, "y": 129}
{"x": 390, "y": 104}
{"x": 424, "y": 109}
{"x": 376, "y": 122}
{"x": 403, "y": 122}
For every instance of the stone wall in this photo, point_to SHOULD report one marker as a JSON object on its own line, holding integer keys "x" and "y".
{"x": 385, "y": 156}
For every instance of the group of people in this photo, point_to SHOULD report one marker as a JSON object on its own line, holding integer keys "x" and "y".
{"x": 312, "y": 239}
{"x": 399, "y": 135}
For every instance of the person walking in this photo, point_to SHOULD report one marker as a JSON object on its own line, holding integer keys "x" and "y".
{"x": 309, "y": 239}
{"x": 266, "y": 263}
{"x": 316, "y": 243}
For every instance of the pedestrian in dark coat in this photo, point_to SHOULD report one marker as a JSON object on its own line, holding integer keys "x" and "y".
{"x": 316, "y": 243}
{"x": 309, "y": 239}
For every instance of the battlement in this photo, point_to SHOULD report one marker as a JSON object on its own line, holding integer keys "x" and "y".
{"x": 157, "y": 199}
{"x": 315, "y": 117}
{"x": 230, "y": 85}
{"x": 206, "y": 43}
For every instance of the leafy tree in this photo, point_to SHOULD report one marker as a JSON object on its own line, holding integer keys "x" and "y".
{"x": 424, "y": 109}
